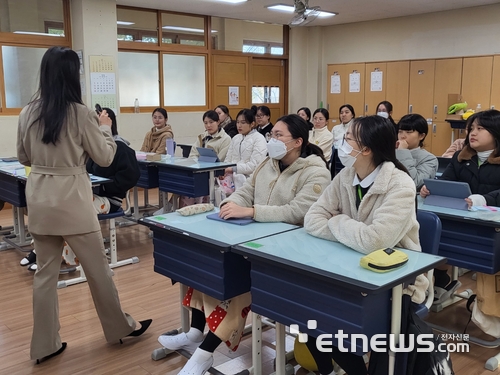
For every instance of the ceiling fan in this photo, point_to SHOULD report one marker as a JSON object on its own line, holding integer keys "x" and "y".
{"x": 303, "y": 13}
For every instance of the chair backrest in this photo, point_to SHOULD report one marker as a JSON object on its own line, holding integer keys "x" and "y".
{"x": 430, "y": 231}
{"x": 430, "y": 235}
{"x": 442, "y": 163}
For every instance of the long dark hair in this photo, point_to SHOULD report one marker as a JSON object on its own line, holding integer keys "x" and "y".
{"x": 163, "y": 111}
{"x": 307, "y": 111}
{"x": 112, "y": 116}
{"x": 324, "y": 112}
{"x": 58, "y": 90}
{"x": 212, "y": 115}
{"x": 297, "y": 127}
{"x": 349, "y": 107}
{"x": 490, "y": 121}
{"x": 248, "y": 114}
{"x": 223, "y": 108}
{"x": 378, "y": 135}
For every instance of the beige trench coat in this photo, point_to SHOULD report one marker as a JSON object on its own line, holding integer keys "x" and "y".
{"x": 58, "y": 191}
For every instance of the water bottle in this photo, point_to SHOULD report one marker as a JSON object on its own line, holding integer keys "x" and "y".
{"x": 136, "y": 106}
{"x": 170, "y": 147}
{"x": 478, "y": 108}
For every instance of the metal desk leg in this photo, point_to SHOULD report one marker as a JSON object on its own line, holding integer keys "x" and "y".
{"x": 136, "y": 203}
{"x": 211, "y": 185}
{"x": 280, "y": 349}
{"x": 397, "y": 302}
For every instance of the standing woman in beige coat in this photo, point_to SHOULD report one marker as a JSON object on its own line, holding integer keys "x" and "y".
{"x": 56, "y": 136}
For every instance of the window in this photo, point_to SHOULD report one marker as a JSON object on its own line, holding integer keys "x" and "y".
{"x": 140, "y": 83}
{"x": 184, "y": 80}
{"x": 39, "y": 26}
{"x": 247, "y": 36}
{"x": 136, "y": 25}
{"x": 265, "y": 94}
{"x": 180, "y": 29}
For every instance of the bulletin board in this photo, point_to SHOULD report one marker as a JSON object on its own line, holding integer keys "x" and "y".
{"x": 103, "y": 81}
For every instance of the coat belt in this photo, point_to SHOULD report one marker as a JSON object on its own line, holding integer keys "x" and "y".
{"x": 58, "y": 171}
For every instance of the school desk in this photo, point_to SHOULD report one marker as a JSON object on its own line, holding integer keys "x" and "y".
{"x": 297, "y": 277}
{"x": 188, "y": 176}
{"x": 196, "y": 251}
{"x": 470, "y": 240}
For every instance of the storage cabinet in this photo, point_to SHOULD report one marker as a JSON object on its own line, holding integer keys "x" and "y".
{"x": 398, "y": 83}
{"x": 476, "y": 81}
{"x": 372, "y": 98}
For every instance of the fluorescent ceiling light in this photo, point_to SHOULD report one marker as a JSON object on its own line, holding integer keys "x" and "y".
{"x": 125, "y": 23}
{"x": 34, "y": 33}
{"x": 291, "y": 9}
{"x": 186, "y": 29}
{"x": 233, "y": 1}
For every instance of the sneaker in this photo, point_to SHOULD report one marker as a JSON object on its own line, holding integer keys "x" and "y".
{"x": 32, "y": 267}
{"x": 180, "y": 341}
{"x": 197, "y": 365}
{"x": 28, "y": 259}
{"x": 443, "y": 294}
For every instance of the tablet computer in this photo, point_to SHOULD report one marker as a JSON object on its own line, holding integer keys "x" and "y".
{"x": 207, "y": 154}
{"x": 449, "y": 194}
{"x": 243, "y": 221}
{"x": 10, "y": 159}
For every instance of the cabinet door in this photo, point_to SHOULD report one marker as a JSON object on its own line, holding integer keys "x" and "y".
{"x": 372, "y": 98}
{"x": 335, "y": 99}
{"x": 441, "y": 137}
{"x": 495, "y": 84}
{"x": 476, "y": 81}
{"x": 421, "y": 93}
{"x": 398, "y": 83}
{"x": 355, "y": 94}
{"x": 447, "y": 80}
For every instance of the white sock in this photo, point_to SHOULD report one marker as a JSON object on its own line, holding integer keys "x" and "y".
{"x": 201, "y": 355}
{"x": 194, "y": 335}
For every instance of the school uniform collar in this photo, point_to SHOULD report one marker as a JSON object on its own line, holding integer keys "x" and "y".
{"x": 368, "y": 180}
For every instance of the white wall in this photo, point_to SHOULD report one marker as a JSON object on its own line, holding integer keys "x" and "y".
{"x": 464, "y": 32}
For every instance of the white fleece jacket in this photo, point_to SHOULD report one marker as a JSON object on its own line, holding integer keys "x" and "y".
{"x": 283, "y": 196}
{"x": 386, "y": 216}
{"x": 322, "y": 138}
{"x": 247, "y": 151}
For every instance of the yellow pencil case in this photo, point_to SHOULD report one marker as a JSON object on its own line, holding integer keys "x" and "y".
{"x": 384, "y": 260}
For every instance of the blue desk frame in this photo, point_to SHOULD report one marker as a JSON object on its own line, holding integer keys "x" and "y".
{"x": 297, "y": 277}
{"x": 197, "y": 252}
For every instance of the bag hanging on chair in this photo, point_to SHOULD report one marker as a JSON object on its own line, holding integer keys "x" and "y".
{"x": 488, "y": 293}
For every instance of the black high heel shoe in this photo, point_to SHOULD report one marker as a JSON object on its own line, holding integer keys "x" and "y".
{"x": 63, "y": 347}
{"x": 144, "y": 326}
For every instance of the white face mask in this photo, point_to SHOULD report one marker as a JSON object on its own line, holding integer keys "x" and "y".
{"x": 277, "y": 149}
{"x": 345, "y": 156}
{"x": 383, "y": 114}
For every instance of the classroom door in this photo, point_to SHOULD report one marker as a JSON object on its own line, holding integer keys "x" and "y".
{"x": 231, "y": 83}
{"x": 268, "y": 86}
{"x": 495, "y": 84}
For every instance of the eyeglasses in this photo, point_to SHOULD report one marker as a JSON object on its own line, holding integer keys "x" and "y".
{"x": 259, "y": 116}
{"x": 345, "y": 139}
{"x": 279, "y": 135}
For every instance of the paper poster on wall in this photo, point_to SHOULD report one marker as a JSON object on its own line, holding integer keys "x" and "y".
{"x": 103, "y": 81}
{"x": 80, "y": 57}
{"x": 335, "y": 84}
{"x": 376, "y": 81}
{"x": 234, "y": 95}
{"x": 354, "y": 82}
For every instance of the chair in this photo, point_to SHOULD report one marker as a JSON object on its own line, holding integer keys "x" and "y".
{"x": 112, "y": 240}
{"x": 430, "y": 234}
{"x": 335, "y": 164}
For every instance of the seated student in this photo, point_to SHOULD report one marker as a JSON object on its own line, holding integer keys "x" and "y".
{"x": 155, "y": 139}
{"x": 478, "y": 164}
{"x": 320, "y": 136}
{"x": 454, "y": 147}
{"x": 384, "y": 109}
{"x": 124, "y": 172}
{"x": 226, "y": 122}
{"x": 346, "y": 115}
{"x": 213, "y": 137}
{"x": 420, "y": 163}
{"x": 305, "y": 113}
{"x": 263, "y": 119}
{"x": 248, "y": 148}
{"x": 369, "y": 205}
{"x": 282, "y": 188}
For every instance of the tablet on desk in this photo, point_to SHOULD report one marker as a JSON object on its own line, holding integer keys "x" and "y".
{"x": 207, "y": 154}
{"x": 450, "y": 194}
{"x": 11, "y": 159}
{"x": 243, "y": 221}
